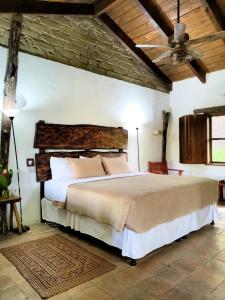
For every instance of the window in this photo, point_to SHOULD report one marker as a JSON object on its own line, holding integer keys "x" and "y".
{"x": 217, "y": 139}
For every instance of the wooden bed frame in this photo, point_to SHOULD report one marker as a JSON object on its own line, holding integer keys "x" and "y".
{"x": 73, "y": 141}
{"x": 85, "y": 140}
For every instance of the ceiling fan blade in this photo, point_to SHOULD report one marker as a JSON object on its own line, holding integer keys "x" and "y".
{"x": 208, "y": 38}
{"x": 179, "y": 32}
{"x": 196, "y": 54}
{"x": 152, "y": 46}
{"x": 162, "y": 56}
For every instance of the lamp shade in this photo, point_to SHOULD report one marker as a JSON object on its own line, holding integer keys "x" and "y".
{"x": 12, "y": 110}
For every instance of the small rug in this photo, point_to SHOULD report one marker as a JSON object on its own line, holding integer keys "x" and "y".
{"x": 54, "y": 264}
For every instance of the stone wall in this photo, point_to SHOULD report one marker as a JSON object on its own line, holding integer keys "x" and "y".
{"x": 82, "y": 42}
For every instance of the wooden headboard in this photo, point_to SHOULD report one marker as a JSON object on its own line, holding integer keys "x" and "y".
{"x": 85, "y": 138}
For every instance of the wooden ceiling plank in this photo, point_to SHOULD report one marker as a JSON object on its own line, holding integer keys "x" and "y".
{"x": 213, "y": 52}
{"x": 166, "y": 27}
{"x": 219, "y": 59}
{"x": 135, "y": 51}
{"x": 140, "y": 31}
{"x": 209, "y": 46}
{"x": 153, "y": 37}
{"x": 176, "y": 71}
{"x": 177, "y": 76}
{"x": 121, "y": 8}
{"x": 128, "y": 16}
{"x": 44, "y": 7}
{"x": 187, "y": 7}
{"x": 103, "y": 5}
{"x": 133, "y": 24}
{"x": 215, "y": 67}
{"x": 200, "y": 30}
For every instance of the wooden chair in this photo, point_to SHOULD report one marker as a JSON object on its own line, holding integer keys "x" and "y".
{"x": 162, "y": 168}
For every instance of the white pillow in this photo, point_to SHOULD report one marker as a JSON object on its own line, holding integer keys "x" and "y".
{"x": 60, "y": 168}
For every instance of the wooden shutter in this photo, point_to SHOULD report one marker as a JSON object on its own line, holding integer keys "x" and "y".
{"x": 193, "y": 139}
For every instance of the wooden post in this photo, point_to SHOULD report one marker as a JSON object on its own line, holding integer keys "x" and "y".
{"x": 166, "y": 118}
{"x": 9, "y": 100}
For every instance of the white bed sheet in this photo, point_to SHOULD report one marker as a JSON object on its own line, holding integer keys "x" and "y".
{"x": 56, "y": 190}
{"x": 133, "y": 245}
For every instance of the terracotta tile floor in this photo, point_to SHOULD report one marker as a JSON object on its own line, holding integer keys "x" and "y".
{"x": 192, "y": 269}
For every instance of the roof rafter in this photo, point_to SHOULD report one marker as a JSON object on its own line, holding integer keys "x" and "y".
{"x": 44, "y": 7}
{"x": 135, "y": 51}
{"x": 166, "y": 27}
{"x": 215, "y": 15}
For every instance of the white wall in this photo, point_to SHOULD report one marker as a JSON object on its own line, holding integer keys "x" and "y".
{"x": 188, "y": 95}
{"x": 62, "y": 94}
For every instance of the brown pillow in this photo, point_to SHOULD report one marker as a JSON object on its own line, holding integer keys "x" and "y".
{"x": 116, "y": 165}
{"x": 83, "y": 168}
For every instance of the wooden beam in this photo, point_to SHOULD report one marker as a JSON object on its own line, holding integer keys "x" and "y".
{"x": 215, "y": 14}
{"x": 102, "y": 5}
{"x": 137, "y": 52}
{"x": 197, "y": 68}
{"x": 10, "y": 85}
{"x": 158, "y": 17}
{"x": 166, "y": 27}
{"x": 45, "y": 7}
{"x": 212, "y": 111}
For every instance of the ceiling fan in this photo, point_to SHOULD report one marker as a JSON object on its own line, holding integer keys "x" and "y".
{"x": 179, "y": 50}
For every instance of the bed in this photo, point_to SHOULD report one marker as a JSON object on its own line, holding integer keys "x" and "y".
{"x": 109, "y": 208}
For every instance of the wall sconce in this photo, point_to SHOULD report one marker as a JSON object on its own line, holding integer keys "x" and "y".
{"x": 157, "y": 132}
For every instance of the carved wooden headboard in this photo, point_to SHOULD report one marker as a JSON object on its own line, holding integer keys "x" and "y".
{"x": 85, "y": 139}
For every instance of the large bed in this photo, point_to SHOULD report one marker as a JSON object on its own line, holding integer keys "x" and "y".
{"x": 135, "y": 212}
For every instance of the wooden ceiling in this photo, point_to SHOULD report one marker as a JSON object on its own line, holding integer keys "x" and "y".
{"x": 141, "y": 21}
{"x": 151, "y": 21}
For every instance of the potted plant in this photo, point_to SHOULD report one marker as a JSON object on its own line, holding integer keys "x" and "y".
{"x": 5, "y": 181}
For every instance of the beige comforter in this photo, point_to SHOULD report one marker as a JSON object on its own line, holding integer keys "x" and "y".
{"x": 140, "y": 202}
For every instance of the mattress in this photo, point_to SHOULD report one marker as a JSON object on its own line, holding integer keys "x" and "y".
{"x": 138, "y": 202}
{"x": 132, "y": 244}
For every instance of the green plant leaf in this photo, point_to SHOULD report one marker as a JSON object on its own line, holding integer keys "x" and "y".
{"x": 3, "y": 181}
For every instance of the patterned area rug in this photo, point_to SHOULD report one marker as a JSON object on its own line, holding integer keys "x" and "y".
{"x": 54, "y": 264}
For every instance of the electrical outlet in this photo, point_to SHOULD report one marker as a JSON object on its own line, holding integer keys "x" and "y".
{"x": 30, "y": 162}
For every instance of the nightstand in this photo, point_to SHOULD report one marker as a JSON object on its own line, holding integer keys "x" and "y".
{"x": 13, "y": 210}
{"x": 221, "y": 186}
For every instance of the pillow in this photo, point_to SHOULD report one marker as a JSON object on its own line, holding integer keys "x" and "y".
{"x": 116, "y": 165}
{"x": 60, "y": 168}
{"x": 83, "y": 168}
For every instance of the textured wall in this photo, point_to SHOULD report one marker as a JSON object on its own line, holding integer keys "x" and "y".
{"x": 82, "y": 42}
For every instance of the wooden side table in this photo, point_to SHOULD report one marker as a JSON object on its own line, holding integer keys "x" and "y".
{"x": 13, "y": 209}
{"x": 221, "y": 186}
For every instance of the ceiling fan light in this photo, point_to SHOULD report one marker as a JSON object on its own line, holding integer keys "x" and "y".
{"x": 189, "y": 57}
{"x": 176, "y": 60}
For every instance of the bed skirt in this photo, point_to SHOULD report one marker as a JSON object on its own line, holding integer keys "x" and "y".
{"x": 133, "y": 245}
